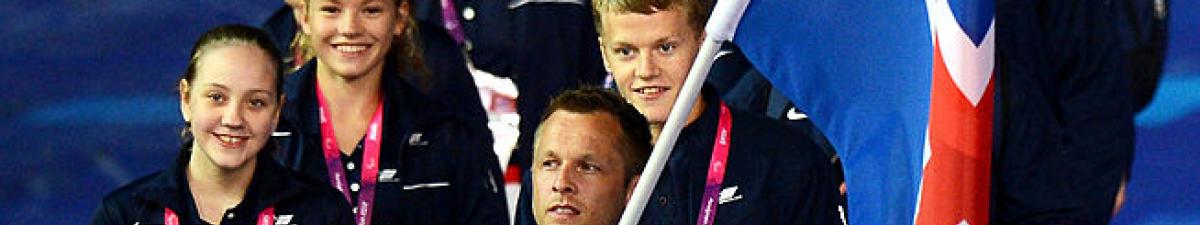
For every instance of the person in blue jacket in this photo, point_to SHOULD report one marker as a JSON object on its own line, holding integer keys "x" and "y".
{"x": 744, "y": 88}
{"x": 357, "y": 120}
{"x": 771, "y": 174}
{"x": 544, "y": 46}
{"x": 440, "y": 55}
{"x": 774, "y": 175}
{"x": 230, "y": 98}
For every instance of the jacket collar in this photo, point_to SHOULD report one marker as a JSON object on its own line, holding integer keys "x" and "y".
{"x": 169, "y": 186}
{"x": 705, "y": 125}
{"x": 700, "y": 132}
{"x": 269, "y": 185}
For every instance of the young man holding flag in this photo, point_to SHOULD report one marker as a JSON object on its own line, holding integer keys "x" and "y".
{"x": 727, "y": 167}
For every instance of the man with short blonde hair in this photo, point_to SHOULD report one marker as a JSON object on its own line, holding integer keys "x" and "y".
{"x": 587, "y": 156}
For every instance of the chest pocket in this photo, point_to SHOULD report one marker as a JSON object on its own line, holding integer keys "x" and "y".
{"x": 416, "y": 187}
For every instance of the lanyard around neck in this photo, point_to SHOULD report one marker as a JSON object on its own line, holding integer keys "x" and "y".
{"x": 333, "y": 159}
{"x": 716, "y": 168}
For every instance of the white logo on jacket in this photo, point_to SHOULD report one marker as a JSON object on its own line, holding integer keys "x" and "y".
{"x": 728, "y": 195}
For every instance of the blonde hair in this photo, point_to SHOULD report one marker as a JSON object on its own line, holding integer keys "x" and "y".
{"x": 697, "y": 11}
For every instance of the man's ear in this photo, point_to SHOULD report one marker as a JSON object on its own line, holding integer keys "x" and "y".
{"x": 632, "y": 184}
{"x": 183, "y": 100}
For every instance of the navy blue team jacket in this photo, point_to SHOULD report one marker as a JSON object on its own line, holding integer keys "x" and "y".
{"x": 436, "y": 165}
{"x": 297, "y": 199}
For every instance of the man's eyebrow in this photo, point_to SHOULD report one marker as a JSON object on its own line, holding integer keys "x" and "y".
{"x": 549, "y": 153}
{"x": 656, "y": 41}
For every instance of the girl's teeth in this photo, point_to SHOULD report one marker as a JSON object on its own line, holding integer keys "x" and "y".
{"x": 231, "y": 139}
{"x": 348, "y": 48}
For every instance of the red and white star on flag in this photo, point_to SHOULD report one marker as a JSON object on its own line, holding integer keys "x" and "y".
{"x": 955, "y": 185}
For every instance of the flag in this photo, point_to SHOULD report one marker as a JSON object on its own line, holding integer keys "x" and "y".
{"x": 902, "y": 90}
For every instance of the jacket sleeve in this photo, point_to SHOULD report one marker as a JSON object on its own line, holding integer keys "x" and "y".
{"x": 1065, "y": 123}
{"x": 524, "y": 215}
{"x": 813, "y": 183}
{"x": 1097, "y": 118}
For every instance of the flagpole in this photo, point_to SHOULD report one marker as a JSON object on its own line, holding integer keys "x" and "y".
{"x": 720, "y": 28}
